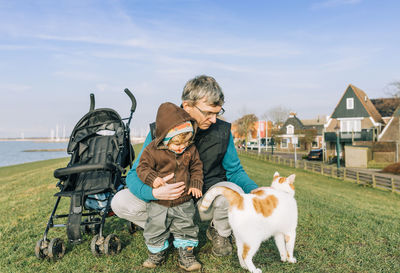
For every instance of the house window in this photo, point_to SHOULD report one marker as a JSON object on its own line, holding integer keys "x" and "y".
{"x": 284, "y": 143}
{"x": 290, "y": 130}
{"x": 314, "y": 143}
{"x": 350, "y": 103}
{"x": 350, "y": 125}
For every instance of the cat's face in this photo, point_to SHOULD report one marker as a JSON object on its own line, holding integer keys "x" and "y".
{"x": 285, "y": 184}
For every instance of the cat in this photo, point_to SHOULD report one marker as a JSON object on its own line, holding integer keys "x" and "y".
{"x": 255, "y": 217}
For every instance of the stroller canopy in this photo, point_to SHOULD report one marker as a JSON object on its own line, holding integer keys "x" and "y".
{"x": 100, "y": 121}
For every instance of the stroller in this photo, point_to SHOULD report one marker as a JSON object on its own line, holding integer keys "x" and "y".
{"x": 100, "y": 149}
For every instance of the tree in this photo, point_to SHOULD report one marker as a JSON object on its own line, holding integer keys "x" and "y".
{"x": 308, "y": 136}
{"x": 245, "y": 125}
{"x": 394, "y": 89}
{"x": 277, "y": 114}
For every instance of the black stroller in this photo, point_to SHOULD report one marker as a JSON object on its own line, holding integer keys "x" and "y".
{"x": 100, "y": 149}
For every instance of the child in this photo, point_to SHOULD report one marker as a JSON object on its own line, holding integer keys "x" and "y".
{"x": 172, "y": 156}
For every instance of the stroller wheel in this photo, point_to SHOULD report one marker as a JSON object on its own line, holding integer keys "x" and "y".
{"x": 97, "y": 245}
{"x": 112, "y": 245}
{"x": 56, "y": 248}
{"x": 41, "y": 251}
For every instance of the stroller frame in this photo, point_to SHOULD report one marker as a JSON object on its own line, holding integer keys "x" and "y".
{"x": 78, "y": 180}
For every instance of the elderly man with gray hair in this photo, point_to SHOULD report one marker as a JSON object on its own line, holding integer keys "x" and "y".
{"x": 202, "y": 99}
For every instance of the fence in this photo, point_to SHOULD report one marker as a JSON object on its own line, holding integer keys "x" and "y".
{"x": 360, "y": 177}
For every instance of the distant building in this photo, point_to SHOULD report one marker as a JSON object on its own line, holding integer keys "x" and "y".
{"x": 261, "y": 129}
{"x": 307, "y": 133}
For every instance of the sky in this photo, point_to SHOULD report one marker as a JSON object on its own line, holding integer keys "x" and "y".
{"x": 300, "y": 55}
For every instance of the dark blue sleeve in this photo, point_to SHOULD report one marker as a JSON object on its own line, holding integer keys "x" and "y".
{"x": 135, "y": 185}
{"x": 234, "y": 170}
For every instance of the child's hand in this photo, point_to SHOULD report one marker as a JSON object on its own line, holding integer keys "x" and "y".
{"x": 158, "y": 182}
{"x": 195, "y": 192}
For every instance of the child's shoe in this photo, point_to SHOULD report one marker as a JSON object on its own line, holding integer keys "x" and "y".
{"x": 154, "y": 259}
{"x": 187, "y": 260}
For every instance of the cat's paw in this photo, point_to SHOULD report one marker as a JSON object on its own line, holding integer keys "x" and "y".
{"x": 257, "y": 270}
{"x": 292, "y": 260}
{"x": 283, "y": 258}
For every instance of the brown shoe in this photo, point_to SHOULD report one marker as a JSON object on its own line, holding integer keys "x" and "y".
{"x": 154, "y": 259}
{"x": 187, "y": 260}
{"x": 221, "y": 246}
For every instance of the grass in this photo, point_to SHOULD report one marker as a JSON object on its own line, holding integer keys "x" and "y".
{"x": 372, "y": 164}
{"x": 342, "y": 227}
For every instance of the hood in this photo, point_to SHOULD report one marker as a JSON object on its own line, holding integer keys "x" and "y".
{"x": 169, "y": 116}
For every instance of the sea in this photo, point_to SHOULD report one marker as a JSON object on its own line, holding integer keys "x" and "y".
{"x": 17, "y": 152}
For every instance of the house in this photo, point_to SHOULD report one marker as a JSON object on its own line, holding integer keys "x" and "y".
{"x": 260, "y": 129}
{"x": 355, "y": 118}
{"x": 305, "y": 134}
{"x": 391, "y": 132}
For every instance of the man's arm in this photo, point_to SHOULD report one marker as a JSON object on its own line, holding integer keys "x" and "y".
{"x": 234, "y": 170}
{"x": 135, "y": 185}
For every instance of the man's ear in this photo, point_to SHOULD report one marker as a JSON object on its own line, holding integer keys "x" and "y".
{"x": 185, "y": 105}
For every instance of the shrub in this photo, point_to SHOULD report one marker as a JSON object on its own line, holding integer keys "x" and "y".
{"x": 392, "y": 168}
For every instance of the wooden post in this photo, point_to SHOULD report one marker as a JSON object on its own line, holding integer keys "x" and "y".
{"x": 322, "y": 168}
{"x": 393, "y": 187}
{"x": 305, "y": 165}
{"x": 373, "y": 181}
{"x": 344, "y": 173}
{"x": 358, "y": 177}
{"x": 331, "y": 171}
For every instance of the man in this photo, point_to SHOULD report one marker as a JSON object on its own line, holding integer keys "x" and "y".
{"x": 202, "y": 99}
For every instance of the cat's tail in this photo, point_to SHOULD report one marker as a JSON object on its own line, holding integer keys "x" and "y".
{"x": 234, "y": 198}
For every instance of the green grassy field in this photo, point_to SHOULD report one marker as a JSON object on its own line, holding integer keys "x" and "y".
{"x": 342, "y": 227}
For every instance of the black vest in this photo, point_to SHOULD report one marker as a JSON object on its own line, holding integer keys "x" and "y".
{"x": 212, "y": 145}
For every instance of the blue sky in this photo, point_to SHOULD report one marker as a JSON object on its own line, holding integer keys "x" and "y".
{"x": 296, "y": 54}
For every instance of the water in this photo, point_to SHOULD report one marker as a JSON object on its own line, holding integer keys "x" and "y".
{"x": 12, "y": 152}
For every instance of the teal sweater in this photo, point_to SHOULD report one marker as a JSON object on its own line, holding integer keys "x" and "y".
{"x": 231, "y": 163}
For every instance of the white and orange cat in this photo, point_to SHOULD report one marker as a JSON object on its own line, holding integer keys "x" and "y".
{"x": 255, "y": 217}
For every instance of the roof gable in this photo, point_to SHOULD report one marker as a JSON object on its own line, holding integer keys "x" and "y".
{"x": 362, "y": 105}
{"x": 396, "y": 112}
{"x": 294, "y": 121}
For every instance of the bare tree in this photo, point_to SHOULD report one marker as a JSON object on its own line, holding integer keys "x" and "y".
{"x": 245, "y": 125}
{"x": 394, "y": 89}
{"x": 308, "y": 137}
{"x": 277, "y": 114}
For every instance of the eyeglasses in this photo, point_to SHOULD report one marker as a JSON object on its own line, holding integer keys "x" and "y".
{"x": 211, "y": 114}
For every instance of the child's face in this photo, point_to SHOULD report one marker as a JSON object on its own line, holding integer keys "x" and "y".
{"x": 178, "y": 148}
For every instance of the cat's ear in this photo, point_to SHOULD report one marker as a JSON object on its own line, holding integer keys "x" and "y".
{"x": 276, "y": 174}
{"x": 291, "y": 178}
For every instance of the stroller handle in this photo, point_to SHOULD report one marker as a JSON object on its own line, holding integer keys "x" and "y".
{"x": 132, "y": 97}
{"x": 91, "y": 102}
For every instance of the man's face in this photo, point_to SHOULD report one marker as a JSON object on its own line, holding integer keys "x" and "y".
{"x": 204, "y": 114}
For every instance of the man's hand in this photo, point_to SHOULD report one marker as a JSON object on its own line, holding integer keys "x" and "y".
{"x": 195, "y": 192}
{"x": 169, "y": 191}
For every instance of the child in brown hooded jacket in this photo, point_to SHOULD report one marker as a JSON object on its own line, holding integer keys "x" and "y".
{"x": 171, "y": 154}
